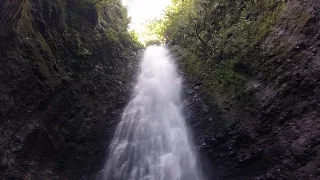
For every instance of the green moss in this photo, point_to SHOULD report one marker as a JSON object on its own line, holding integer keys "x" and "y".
{"x": 237, "y": 28}
{"x": 25, "y": 26}
{"x": 230, "y": 32}
{"x": 27, "y": 32}
{"x": 112, "y": 35}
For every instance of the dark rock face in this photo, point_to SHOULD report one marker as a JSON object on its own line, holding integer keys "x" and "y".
{"x": 64, "y": 68}
{"x": 275, "y": 129}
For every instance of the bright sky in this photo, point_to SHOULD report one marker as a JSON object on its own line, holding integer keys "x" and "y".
{"x": 141, "y": 11}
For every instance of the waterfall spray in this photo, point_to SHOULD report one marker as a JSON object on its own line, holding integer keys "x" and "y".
{"x": 151, "y": 141}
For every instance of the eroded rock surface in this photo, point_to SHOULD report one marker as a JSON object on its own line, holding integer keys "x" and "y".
{"x": 65, "y": 70}
{"x": 269, "y": 128}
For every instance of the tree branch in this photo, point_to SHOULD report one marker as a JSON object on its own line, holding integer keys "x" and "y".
{"x": 199, "y": 37}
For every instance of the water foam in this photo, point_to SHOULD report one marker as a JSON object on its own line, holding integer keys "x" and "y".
{"x": 151, "y": 142}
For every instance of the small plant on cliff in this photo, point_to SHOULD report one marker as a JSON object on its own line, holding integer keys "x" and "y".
{"x": 212, "y": 37}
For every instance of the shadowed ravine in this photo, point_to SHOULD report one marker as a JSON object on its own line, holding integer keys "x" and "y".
{"x": 250, "y": 75}
{"x": 151, "y": 142}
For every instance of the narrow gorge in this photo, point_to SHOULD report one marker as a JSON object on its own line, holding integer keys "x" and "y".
{"x": 230, "y": 92}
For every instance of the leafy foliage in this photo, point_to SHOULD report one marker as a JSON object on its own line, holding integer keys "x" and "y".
{"x": 111, "y": 17}
{"x": 212, "y": 37}
{"x": 217, "y": 31}
{"x": 178, "y": 18}
{"x": 214, "y": 24}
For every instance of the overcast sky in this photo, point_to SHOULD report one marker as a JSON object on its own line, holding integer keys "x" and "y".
{"x": 141, "y": 11}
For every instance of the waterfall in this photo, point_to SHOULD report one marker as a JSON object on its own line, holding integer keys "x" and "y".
{"x": 151, "y": 141}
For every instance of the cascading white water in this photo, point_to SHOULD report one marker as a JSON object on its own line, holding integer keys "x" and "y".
{"x": 151, "y": 142}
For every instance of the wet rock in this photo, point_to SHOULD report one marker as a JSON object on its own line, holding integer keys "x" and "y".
{"x": 268, "y": 130}
{"x": 59, "y": 101}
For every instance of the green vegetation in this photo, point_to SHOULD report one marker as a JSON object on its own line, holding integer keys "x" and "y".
{"x": 108, "y": 16}
{"x": 90, "y": 31}
{"x": 213, "y": 40}
{"x": 70, "y": 61}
